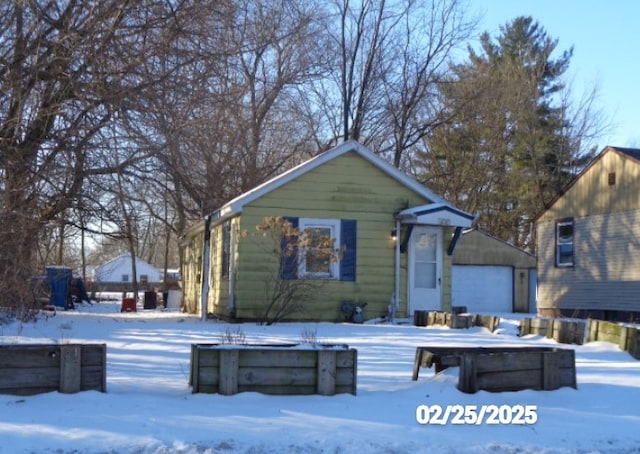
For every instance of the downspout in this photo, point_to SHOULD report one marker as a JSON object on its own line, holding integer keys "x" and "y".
{"x": 396, "y": 290}
{"x": 206, "y": 260}
{"x": 232, "y": 270}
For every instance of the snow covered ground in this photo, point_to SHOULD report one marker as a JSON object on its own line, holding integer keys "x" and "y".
{"x": 149, "y": 407}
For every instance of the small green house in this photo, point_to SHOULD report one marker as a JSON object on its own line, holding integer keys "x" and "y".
{"x": 392, "y": 236}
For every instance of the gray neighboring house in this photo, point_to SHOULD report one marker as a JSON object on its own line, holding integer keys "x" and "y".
{"x": 588, "y": 242}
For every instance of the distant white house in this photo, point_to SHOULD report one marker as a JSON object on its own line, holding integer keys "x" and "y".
{"x": 118, "y": 270}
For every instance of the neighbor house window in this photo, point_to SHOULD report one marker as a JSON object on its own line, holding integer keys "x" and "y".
{"x": 564, "y": 242}
{"x": 226, "y": 248}
{"x": 320, "y": 245}
{"x": 125, "y": 278}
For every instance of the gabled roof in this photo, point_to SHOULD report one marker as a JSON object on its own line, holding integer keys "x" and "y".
{"x": 436, "y": 214}
{"x": 123, "y": 257}
{"x": 236, "y": 205}
{"x": 632, "y": 153}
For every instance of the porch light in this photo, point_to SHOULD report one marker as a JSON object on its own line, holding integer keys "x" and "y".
{"x": 394, "y": 234}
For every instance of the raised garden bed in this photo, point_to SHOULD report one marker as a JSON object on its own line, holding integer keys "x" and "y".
{"x": 563, "y": 331}
{"x": 499, "y": 369}
{"x": 68, "y": 368}
{"x": 455, "y": 320}
{"x": 626, "y": 337}
{"x": 273, "y": 369}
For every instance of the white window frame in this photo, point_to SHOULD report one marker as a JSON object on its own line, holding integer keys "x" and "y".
{"x": 560, "y": 224}
{"x": 334, "y": 267}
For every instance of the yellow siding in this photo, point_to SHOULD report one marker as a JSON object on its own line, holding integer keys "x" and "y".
{"x": 192, "y": 269}
{"x": 218, "y": 302}
{"x": 591, "y": 193}
{"x": 347, "y": 187}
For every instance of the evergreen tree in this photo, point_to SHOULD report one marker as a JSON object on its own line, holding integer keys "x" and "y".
{"x": 509, "y": 147}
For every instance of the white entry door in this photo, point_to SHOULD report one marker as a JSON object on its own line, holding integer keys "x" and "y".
{"x": 425, "y": 269}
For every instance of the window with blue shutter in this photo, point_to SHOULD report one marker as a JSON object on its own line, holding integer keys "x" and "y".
{"x": 312, "y": 261}
{"x": 289, "y": 256}
{"x": 348, "y": 244}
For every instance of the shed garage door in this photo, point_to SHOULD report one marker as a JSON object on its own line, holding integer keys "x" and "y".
{"x": 483, "y": 288}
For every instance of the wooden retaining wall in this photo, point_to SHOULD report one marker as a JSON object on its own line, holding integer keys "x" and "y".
{"x": 67, "y": 368}
{"x": 513, "y": 371}
{"x": 455, "y": 321}
{"x": 625, "y": 337}
{"x": 229, "y": 370}
{"x": 498, "y": 369}
{"x": 563, "y": 331}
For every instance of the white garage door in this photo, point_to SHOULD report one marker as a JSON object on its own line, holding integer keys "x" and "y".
{"x": 483, "y": 288}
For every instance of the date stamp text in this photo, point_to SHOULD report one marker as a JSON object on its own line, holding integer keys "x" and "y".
{"x": 477, "y": 414}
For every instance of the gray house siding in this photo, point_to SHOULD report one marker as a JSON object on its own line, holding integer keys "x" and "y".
{"x": 606, "y": 272}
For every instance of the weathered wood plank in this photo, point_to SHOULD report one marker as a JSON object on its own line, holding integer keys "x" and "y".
{"x": 206, "y": 376}
{"x": 291, "y": 376}
{"x": 93, "y": 378}
{"x": 524, "y": 360}
{"x": 460, "y": 321}
{"x": 346, "y": 377}
{"x": 490, "y": 322}
{"x": 519, "y": 380}
{"x": 346, "y": 358}
{"x": 32, "y": 377}
{"x": 194, "y": 363}
{"x": 514, "y": 380}
{"x": 467, "y": 378}
{"x": 279, "y": 389}
{"x": 281, "y": 357}
{"x": 228, "y": 381}
{"x": 93, "y": 354}
{"x": 70, "y": 374}
{"x": 634, "y": 344}
{"x": 25, "y": 356}
{"x": 550, "y": 366}
{"x": 208, "y": 357}
{"x": 326, "y": 379}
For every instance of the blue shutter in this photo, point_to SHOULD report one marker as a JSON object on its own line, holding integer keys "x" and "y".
{"x": 348, "y": 243}
{"x": 289, "y": 262}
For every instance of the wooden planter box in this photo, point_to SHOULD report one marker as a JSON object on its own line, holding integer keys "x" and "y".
{"x": 626, "y": 337}
{"x": 499, "y": 369}
{"x": 562, "y": 331}
{"x": 273, "y": 369}
{"x": 68, "y": 368}
{"x": 455, "y": 320}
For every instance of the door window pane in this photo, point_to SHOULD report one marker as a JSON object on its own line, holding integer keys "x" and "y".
{"x": 425, "y": 275}
{"x": 426, "y": 247}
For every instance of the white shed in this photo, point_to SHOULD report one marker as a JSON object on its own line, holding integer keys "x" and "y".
{"x": 118, "y": 270}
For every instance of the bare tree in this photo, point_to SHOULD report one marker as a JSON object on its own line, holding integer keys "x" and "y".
{"x": 67, "y": 70}
{"x": 389, "y": 58}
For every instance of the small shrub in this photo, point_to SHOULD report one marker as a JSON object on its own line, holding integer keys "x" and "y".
{"x": 233, "y": 337}
{"x": 309, "y": 336}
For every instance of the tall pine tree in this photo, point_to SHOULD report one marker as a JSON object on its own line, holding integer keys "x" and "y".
{"x": 508, "y": 148}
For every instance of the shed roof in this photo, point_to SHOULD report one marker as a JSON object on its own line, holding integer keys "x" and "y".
{"x": 477, "y": 247}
